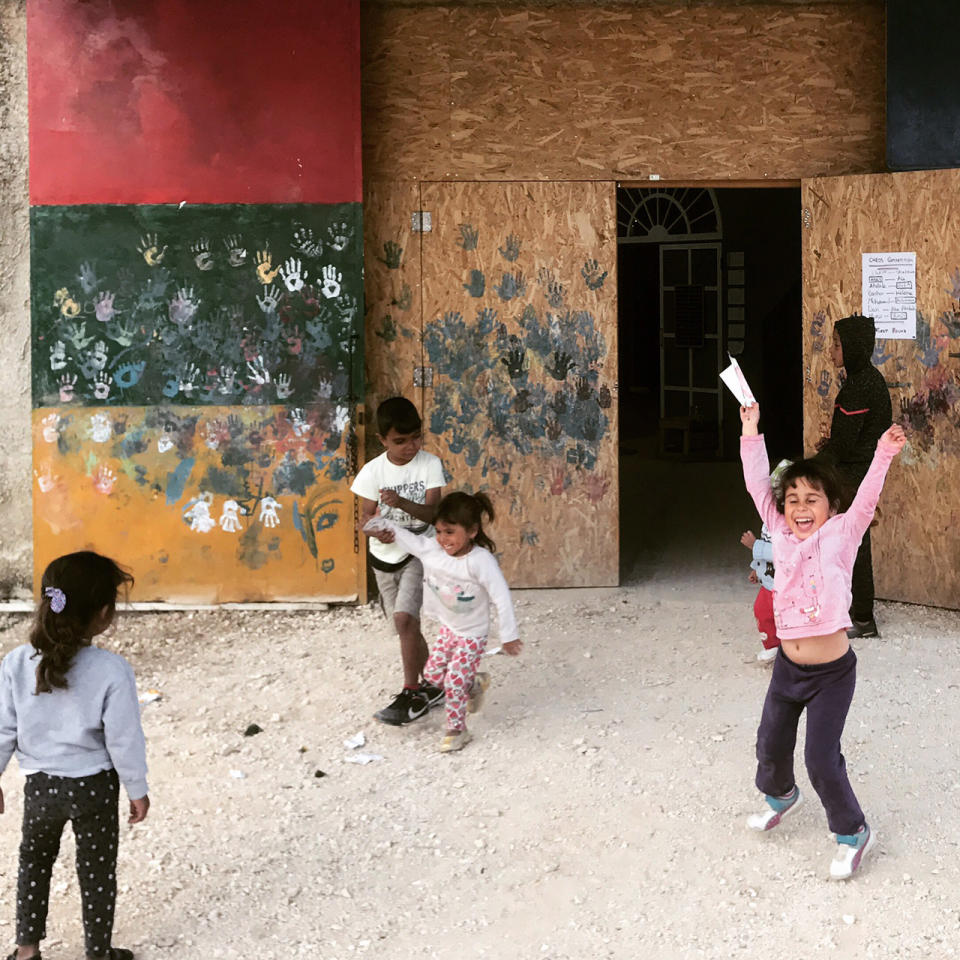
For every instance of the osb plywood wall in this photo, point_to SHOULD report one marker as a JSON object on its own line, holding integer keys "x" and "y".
{"x": 519, "y": 298}
{"x": 916, "y": 544}
{"x": 701, "y": 91}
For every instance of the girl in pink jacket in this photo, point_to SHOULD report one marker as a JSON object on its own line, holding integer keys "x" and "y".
{"x": 815, "y": 543}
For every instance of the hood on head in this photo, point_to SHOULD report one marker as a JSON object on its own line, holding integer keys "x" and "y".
{"x": 857, "y": 337}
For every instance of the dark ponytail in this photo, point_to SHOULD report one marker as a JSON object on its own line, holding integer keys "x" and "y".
{"x": 73, "y": 592}
{"x": 467, "y": 510}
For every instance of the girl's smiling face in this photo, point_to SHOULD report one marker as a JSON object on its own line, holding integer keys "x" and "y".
{"x": 805, "y": 508}
{"x": 454, "y": 539}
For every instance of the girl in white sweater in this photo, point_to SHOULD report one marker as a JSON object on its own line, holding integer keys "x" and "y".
{"x": 461, "y": 579}
{"x": 70, "y": 711}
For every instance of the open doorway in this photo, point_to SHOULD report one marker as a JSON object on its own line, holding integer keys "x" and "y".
{"x": 701, "y": 272}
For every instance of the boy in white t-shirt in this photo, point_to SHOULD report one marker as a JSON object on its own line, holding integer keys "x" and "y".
{"x": 405, "y": 482}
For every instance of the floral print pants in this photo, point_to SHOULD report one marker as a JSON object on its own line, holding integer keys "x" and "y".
{"x": 453, "y": 665}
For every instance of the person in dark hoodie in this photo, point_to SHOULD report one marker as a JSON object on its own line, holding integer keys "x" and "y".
{"x": 860, "y": 415}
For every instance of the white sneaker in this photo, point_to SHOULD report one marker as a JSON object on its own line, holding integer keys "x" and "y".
{"x": 775, "y": 811}
{"x": 850, "y": 853}
{"x": 767, "y": 656}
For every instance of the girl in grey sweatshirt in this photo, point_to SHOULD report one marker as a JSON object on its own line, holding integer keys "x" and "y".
{"x": 70, "y": 711}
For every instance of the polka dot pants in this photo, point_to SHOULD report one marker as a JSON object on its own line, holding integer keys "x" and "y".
{"x": 91, "y": 804}
{"x": 453, "y": 665}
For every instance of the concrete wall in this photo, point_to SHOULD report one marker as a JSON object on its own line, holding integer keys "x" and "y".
{"x": 15, "y": 459}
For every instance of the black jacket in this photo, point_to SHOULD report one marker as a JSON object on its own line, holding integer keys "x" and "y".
{"x": 862, "y": 411}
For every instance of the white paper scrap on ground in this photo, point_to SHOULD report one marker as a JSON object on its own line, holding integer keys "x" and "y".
{"x": 737, "y": 383}
{"x": 491, "y": 652}
{"x": 150, "y": 696}
{"x": 362, "y": 757}
{"x": 238, "y": 774}
{"x": 357, "y": 740}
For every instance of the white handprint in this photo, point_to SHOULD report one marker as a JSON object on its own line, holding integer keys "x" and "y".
{"x": 183, "y": 306}
{"x": 58, "y": 356}
{"x": 268, "y": 512}
{"x": 103, "y": 479}
{"x": 298, "y": 422}
{"x": 67, "y": 384}
{"x": 331, "y": 282}
{"x": 101, "y": 386}
{"x": 100, "y": 429}
{"x": 50, "y": 425}
{"x": 76, "y": 333}
{"x": 236, "y": 252}
{"x": 270, "y": 299}
{"x": 229, "y": 518}
{"x": 306, "y": 243}
{"x": 46, "y": 480}
{"x": 99, "y": 355}
{"x": 258, "y": 372}
{"x": 188, "y": 378}
{"x": 201, "y": 254}
{"x": 225, "y": 382}
{"x": 164, "y": 443}
{"x": 284, "y": 389}
{"x": 104, "y": 308}
{"x": 293, "y": 274}
{"x": 199, "y": 517}
{"x": 341, "y": 419}
{"x": 122, "y": 333}
{"x": 87, "y": 278}
{"x": 340, "y": 235}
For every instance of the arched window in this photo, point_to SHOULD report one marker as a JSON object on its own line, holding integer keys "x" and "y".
{"x": 667, "y": 214}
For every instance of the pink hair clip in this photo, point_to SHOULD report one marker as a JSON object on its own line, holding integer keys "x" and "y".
{"x": 58, "y": 599}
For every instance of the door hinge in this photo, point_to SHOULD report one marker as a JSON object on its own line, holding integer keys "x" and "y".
{"x": 421, "y": 221}
{"x": 423, "y": 376}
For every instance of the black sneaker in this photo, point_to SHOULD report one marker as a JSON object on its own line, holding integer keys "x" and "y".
{"x": 433, "y": 693}
{"x": 407, "y": 706}
{"x": 863, "y": 628}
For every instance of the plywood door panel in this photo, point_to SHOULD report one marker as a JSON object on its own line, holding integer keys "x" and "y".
{"x": 391, "y": 288}
{"x": 916, "y": 544}
{"x": 519, "y": 304}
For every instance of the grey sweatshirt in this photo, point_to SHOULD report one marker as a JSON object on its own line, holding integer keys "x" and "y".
{"x": 92, "y": 725}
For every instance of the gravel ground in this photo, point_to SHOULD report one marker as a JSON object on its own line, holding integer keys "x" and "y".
{"x": 598, "y": 814}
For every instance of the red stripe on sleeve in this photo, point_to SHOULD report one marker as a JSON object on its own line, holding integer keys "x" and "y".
{"x": 851, "y": 413}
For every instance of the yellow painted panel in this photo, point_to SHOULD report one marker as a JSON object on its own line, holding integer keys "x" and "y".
{"x": 203, "y": 504}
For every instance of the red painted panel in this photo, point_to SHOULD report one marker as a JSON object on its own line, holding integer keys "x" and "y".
{"x": 158, "y": 101}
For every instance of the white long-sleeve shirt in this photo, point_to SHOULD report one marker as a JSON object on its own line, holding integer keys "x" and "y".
{"x": 91, "y": 725}
{"x": 458, "y": 590}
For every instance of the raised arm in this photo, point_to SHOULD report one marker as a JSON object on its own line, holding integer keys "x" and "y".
{"x": 861, "y": 511}
{"x": 756, "y": 466}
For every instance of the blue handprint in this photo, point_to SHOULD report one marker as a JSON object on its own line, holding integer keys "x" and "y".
{"x": 511, "y": 248}
{"x": 512, "y": 285}
{"x": 880, "y": 355}
{"x": 468, "y": 236}
{"x": 477, "y": 283}
{"x": 592, "y": 275}
{"x": 823, "y": 387}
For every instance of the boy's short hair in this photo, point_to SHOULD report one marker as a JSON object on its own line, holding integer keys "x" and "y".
{"x": 398, "y": 413}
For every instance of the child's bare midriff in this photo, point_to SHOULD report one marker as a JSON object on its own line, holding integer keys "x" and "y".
{"x": 822, "y": 649}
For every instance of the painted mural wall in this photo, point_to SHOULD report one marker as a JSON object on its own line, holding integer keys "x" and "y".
{"x": 196, "y": 298}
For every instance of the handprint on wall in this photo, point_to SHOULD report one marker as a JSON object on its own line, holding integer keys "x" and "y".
{"x": 202, "y": 256}
{"x": 150, "y": 250}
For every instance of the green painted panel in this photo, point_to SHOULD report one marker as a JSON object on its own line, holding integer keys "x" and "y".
{"x": 216, "y": 304}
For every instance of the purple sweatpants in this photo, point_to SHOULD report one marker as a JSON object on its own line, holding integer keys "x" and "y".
{"x": 826, "y": 690}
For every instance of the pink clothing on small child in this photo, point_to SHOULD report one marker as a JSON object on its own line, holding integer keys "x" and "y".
{"x": 453, "y": 665}
{"x": 812, "y": 577}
